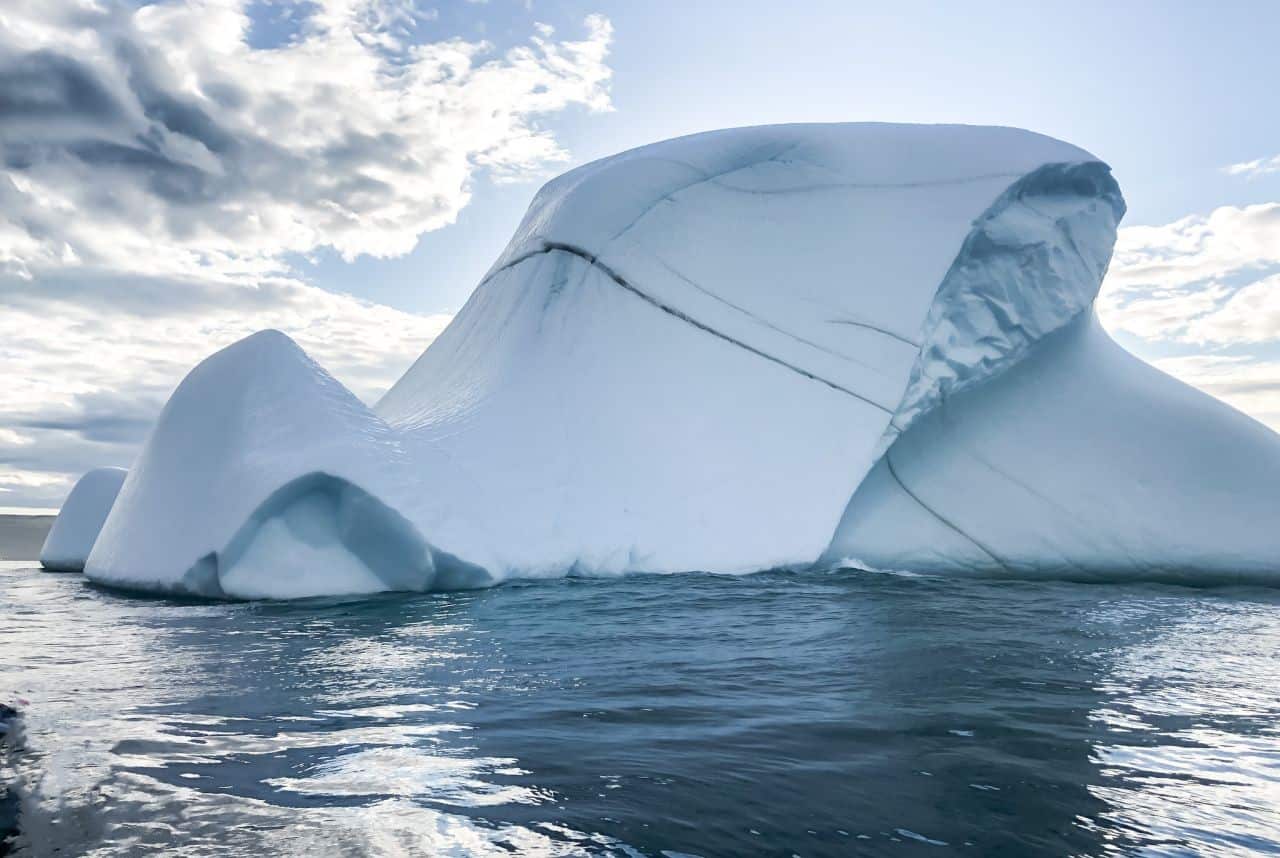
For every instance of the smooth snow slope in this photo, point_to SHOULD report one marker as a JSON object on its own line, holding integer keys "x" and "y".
{"x": 690, "y": 354}
{"x": 265, "y": 477}
{"x": 1081, "y": 461}
{"x": 80, "y": 519}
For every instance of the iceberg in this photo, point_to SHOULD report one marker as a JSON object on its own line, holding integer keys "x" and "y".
{"x": 746, "y": 349}
{"x": 80, "y": 519}
{"x": 264, "y": 477}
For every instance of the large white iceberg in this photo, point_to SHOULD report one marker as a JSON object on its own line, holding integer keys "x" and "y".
{"x": 67, "y": 545}
{"x": 722, "y": 353}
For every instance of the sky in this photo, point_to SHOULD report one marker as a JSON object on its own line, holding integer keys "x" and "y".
{"x": 175, "y": 175}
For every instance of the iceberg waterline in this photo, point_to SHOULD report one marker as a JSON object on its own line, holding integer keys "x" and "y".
{"x": 717, "y": 353}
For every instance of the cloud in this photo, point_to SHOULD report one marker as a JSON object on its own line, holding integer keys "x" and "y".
{"x": 1254, "y": 169}
{"x": 1250, "y": 384}
{"x": 1250, "y": 315}
{"x": 1205, "y": 285}
{"x": 161, "y": 164}
{"x": 157, "y": 139}
{"x": 1159, "y": 313}
{"x": 1191, "y": 280}
{"x": 1228, "y": 240}
{"x": 86, "y": 375}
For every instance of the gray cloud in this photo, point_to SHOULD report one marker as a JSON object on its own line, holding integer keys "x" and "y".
{"x": 99, "y": 417}
{"x": 89, "y": 362}
{"x": 170, "y": 128}
{"x": 44, "y": 85}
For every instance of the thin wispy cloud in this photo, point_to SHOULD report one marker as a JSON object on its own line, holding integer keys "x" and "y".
{"x": 162, "y": 165}
{"x": 1255, "y": 168}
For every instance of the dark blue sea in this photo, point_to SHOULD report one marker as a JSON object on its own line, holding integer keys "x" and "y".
{"x": 817, "y": 714}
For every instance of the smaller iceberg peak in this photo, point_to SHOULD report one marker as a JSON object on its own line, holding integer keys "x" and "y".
{"x": 80, "y": 520}
{"x": 261, "y": 360}
{"x": 270, "y": 350}
{"x": 265, "y": 338}
{"x": 265, "y": 477}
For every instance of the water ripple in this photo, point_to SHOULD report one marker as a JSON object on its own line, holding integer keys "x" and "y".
{"x": 778, "y": 714}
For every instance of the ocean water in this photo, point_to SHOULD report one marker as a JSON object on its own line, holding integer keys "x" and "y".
{"x": 815, "y": 714}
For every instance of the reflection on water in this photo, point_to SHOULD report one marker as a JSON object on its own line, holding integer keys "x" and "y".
{"x": 816, "y": 714}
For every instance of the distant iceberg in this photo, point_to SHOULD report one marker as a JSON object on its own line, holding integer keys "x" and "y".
{"x": 80, "y": 519}
{"x": 747, "y": 349}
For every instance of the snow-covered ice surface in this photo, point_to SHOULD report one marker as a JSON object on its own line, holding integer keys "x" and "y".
{"x": 80, "y": 519}
{"x": 700, "y": 355}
